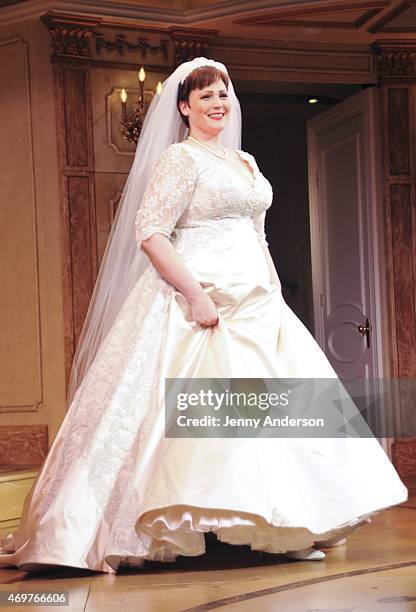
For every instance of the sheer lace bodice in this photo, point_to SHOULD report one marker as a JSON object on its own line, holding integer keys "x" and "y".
{"x": 190, "y": 187}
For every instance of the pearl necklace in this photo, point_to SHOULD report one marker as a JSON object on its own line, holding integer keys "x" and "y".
{"x": 222, "y": 156}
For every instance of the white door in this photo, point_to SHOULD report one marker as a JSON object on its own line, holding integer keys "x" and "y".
{"x": 345, "y": 199}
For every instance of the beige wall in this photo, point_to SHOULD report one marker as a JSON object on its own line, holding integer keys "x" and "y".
{"x": 31, "y": 344}
{"x": 113, "y": 156}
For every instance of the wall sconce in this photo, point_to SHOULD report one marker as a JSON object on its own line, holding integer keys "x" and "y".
{"x": 132, "y": 123}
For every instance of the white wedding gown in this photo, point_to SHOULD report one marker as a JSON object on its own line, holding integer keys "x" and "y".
{"x": 113, "y": 490}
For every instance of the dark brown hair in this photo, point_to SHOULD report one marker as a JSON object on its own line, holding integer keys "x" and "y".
{"x": 198, "y": 79}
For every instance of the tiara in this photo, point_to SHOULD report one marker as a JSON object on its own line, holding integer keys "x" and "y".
{"x": 198, "y": 63}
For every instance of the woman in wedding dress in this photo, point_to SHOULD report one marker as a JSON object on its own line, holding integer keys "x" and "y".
{"x": 204, "y": 302}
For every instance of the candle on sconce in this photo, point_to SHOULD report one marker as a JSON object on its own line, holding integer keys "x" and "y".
{"x": 132, "y": 120}
{"x": 159, "y": 88}
{"x": 123, "y": 96}
{"x": 142, "y": 76}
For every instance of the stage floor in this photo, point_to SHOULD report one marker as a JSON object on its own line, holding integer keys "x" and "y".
{"x": 374, "y": 571}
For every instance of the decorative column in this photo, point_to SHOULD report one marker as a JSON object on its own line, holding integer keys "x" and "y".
{"x": 71, "y": 42}
{"x": 396, "y": 67}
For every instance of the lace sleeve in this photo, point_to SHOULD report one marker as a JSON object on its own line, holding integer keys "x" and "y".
{"x": 167, "y": 194}
{"x": 259, "y": 222}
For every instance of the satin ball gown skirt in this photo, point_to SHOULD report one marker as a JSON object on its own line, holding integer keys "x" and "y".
{"x": 113, "y": 490}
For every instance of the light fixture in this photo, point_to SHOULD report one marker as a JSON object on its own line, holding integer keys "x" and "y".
{"x": 312, "y": 100}
{"x": 132, "y": 123}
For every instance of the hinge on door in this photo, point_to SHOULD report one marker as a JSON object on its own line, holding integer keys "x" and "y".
{"x": 317, "y": 180}
{"x": 321, "y": 300}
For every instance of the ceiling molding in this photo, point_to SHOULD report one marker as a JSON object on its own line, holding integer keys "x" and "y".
{"x": 361, "y": 13}
{"x": 101, "y": 9}
{"x": 382, "y": 24}
{"x": 309, "y": 17}
{"x": 295, "y": 62}
{"x": 4, "y": 3}
{"x": 133, "y": 11}
{"x": 395, "y": 44}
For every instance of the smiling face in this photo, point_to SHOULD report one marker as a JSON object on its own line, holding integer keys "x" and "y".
{"x": 207, "y": 109}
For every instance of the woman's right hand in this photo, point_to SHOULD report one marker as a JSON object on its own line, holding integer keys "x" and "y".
{"x": 199, "y": 305}
{"x": 204, "y": 311}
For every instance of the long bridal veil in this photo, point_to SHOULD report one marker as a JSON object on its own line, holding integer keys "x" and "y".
{"x": 123, "y": 263}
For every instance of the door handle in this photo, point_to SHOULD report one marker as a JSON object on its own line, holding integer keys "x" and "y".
{"x": 365, "y": 330}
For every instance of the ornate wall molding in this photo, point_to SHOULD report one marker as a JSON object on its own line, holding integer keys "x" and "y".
{"x": 76, "y": 166}
{"x": 120, "y": 45}
{"x": 22, "y": 383}
{"x": 189, "y": 43}
{"x": 70, "y": 35}
{"x": 395, "y": 59}
{"x": 398, "y": 96}
{"x": 76, "y": 37}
